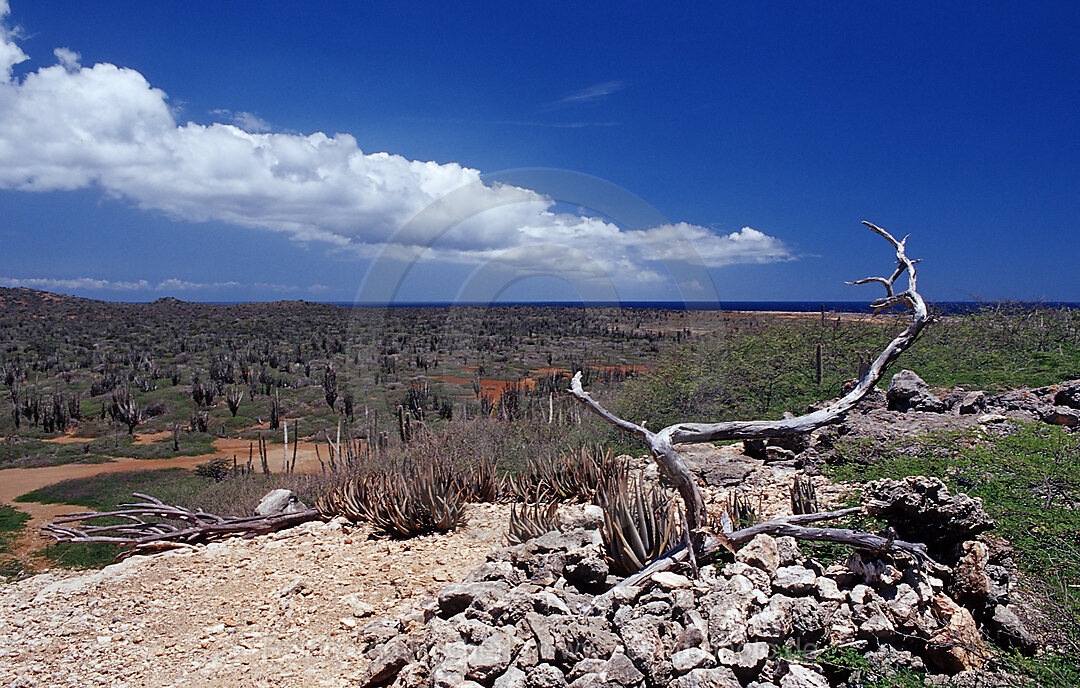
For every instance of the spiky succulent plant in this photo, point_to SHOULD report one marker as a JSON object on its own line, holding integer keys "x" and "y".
{"x": 532, "y": 520}
{"x": 639, "y": 521}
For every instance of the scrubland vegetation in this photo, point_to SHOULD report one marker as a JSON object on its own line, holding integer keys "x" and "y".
{"x": 477, "y": 391}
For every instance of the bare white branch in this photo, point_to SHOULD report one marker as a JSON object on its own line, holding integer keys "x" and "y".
{"x": 662, "y": 443}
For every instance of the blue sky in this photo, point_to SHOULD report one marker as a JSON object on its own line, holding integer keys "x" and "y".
{"x": 243, "y": 150}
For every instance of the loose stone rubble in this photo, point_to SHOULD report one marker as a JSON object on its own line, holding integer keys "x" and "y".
{"x": 529, "y": 617}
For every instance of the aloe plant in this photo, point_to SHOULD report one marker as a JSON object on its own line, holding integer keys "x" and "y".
{"x": 532, "y": 520}
{"x": 573, "y": 476}
{"x": 803, "y": 495}
{"x": 403, "y": 502}
{"x": 639, "y": 521}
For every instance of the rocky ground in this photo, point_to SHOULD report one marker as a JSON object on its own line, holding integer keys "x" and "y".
{"x": 327, "y": 604}
{"x": 282, "y": 610}
{"x": 292, "y": 608}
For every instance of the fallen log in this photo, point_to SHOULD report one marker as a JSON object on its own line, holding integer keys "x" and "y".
{"x": 143, "y": 536}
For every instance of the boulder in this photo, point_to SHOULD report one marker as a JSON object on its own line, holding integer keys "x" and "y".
{"x": 455, "y": 598}
{"x": 921, "y": 509}
{"x": 761, "y": 552}
{"x": 908, "y": 392}
{"x": 957, "y": 645}
{"x": 277, "y": 502}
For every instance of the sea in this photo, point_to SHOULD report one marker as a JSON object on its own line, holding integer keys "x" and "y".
{"x": 938, "y": 307}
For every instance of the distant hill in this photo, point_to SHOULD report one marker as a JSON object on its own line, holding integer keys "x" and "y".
{"x": 21, "y": 300}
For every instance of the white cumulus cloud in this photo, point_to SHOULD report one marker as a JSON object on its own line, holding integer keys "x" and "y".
{"x": 69, "y": 126}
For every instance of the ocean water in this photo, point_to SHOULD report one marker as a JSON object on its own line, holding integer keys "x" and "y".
{"x": 940, "y": 307}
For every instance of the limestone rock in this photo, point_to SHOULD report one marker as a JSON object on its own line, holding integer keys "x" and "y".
{"x": 492, "y": 656}
{"x": 566, "y": 640}
{"x": 1068, "y": 395}
{"x": 1010, "y": 631}
{"x": 671, "y": 580}
{"x": 1061, "y": 415}
{"x": 277, "y": 502}
{"x": 758, "y": 577}
{"x": 921, "y": 509}
{"x": 958, "y": 645}
{"x": 794, "y": 580}
{"x": 973, "y": 402}
{"x": 799, "y": 676}
{"x": 826, "y": 589}
{"x": 788, "y": 551}
{"x": 728, "y": 612}
{"x": 691, "y": 658}
{"x": 747, "y": 662}
{"x": 512, "y": 678}
{"x": 585, "y": 566}
{"x": 907, "y": 391}
{"x": 545, "y": 676}
{"x": 455, "y": 598}
{"x": 971, "y": 581}
{"x": 719, "y": 677}
{"x": 773, "y": 623}
{"x": 392, "y": 659}
{"x": 761, "y": 552}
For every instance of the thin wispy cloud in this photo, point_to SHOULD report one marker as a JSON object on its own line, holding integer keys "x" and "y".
{"x": 170, "y": 285}
{"x": 588, "y": 95}
{"x": 248, "y": 121}
{"x": 555, "y": 125}
{"x": 577, "y": 124}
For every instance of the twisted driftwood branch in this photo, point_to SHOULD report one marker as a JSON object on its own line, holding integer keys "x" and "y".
{"x": 794, "y": 526}
{"x": 662, "y": 442}
{"x": 143, "y": 536}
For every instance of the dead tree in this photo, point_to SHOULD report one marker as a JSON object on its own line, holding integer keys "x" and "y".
{"x": 662, "y": 443}
{"x": 152, "y": 526}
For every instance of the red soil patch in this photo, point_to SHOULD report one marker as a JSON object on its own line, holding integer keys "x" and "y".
{"x": 493, "y": 389}
{"x": 489, "y": 389}
{"x": 151, "y": 437}
{"x": 70, "y": 438}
